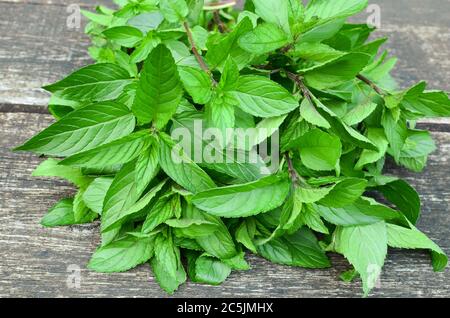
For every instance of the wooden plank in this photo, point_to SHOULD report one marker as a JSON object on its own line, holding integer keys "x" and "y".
{"x": 37, "y": 48}
{"x": 36, "y": 261}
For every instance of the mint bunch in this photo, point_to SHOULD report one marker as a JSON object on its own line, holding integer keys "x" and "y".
{"x": 316, "y": 91}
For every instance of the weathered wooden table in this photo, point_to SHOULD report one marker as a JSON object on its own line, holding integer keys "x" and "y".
{"x": 37, "y": 48}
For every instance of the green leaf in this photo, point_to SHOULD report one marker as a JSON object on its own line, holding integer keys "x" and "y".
{"x": 428, "y": 103}
{"x": 95, "y": 194}
{"x": 220, "y": 114}
{"x": 97, "y": 82}
{"x": 145, "y": 48}
{"x": 345, "y": 132}
{"x": 325, "y": 9}
{"x": 83, "y": 129}
{"x": 146, "y": 21}
{"x": 405, "y": 198}
{"x": 245, "y": 199}
{"x": 218, "y": 51}
{"x": 121, "y": 216}
{"x": 378, "y": 138}
{"x": 117, "y": 152}
{"x": 237, "y": 262}
{"x": 242, "y": 170}
{"x": 200, "y": 36}
{"x": 165, "y": 208}
{"x": 147, "y": 166}
{"x": 192, "y": 228}
{"x": 61, "y": 214}
{"x": 290, "y": 213}
{"x": 126, "y": 36}
{"x": 311, "y": 195}
{"x": 400, "y": 237}
{"x": 395, "y": 131}
{"x": 184, "y": 172}
{"x": 166, "y": 264}
{"x": 322, "y": 30}
{"x": 122, "y": 255}
{"x": 359, "y": 113}
{"x": 102, "y": 19}
{"x": 230, "y": 75}
{"x": 80, "y": 210}
{"x": 337, "y": 71}
{"x": 316, "y": 52}
{"x": 415, "y": 164}
{"x": 320, "y": 150}
{"x": 245, "y": 234}
{"x": 309, "y": 112}
{"x": 419, "y": 143}
{"x": 159, "y": 91}
{"x": 265, "y": 128}
{"x": 209, "y": 270}
{"x": 344, "y": 193}
{"x": 361, "y": 212}
{"x": 174, "y": 10}
{"x": 311, "y": 218}
{"x": 50, "y": 168}
{"x": 197, "y": 83}
{"x": 220, "y": 243}
{"x": 267, "y": 37}
{"x": 365, "y": 247}
{"x": 261, "y": 97}
{"x": 300, "y": 249}
{"x": 121, "y": 195}
{"x": 274, "y": 11}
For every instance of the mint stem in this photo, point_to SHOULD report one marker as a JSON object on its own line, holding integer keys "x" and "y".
{"x": 374, "y": 86}
{"x": 299, "y": 82}
{"x": 219, "y": 22}
{"x": 197, "y": 55}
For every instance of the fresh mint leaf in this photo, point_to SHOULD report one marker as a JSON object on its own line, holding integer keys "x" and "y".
{"x": 263, "y": 39}
{"x": 165, "y": 208}
{"x": 159, "y": 91}
{"x": 147, "y": 166}
{"x": 95, "y": 194}
{"x": 261, "y": 97}
{"x": 97, "y": 82}
{"x": 320, "y": 150}
{"x": 300, "y": 249}
{"x": 121, "y": 195}
{"x": 51, "y": 168}
{"x": 117, "y": 152}
{"x": 197, "y": 83}
{"x": 209, "y": 270}
{"x": 274, "y": 11}
{"x": 324, "y": 9}
{"x": 174, "y": 10}
{"x": 122, "y": 255}
{"x": 404, "y": 196}
{"x": 244, "y": 200}
{"x": 188, "y": 174}
{"x": 363, "y": 251}
{"x": 61, "y": 214}
{"x": 88, "y": 127}
{"x": 126, "y": 36}
{"x": 400, "y": 237}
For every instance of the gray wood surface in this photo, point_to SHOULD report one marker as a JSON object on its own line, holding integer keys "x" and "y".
{"x": 36, "y": 48}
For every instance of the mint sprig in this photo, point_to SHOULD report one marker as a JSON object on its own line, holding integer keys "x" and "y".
{"x": 298, "y": 72}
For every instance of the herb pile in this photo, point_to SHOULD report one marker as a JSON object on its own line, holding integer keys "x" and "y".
{"x": 304, "y": 71}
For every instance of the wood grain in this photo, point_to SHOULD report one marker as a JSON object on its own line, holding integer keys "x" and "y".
{"x": 35, "y": 260}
